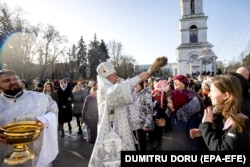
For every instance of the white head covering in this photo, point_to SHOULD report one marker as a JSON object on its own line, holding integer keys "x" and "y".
{"x": 91, "y": 84}
{"x": 66, "y": 84}
{"x": 105, "y": 69}
{"x": 207, "y": 82}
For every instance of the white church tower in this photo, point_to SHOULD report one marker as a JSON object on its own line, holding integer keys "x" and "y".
{"x": 192, "y": 38}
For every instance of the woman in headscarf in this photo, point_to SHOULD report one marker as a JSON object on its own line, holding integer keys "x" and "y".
{"x": 205, "y": 90}
{"x": 65, "y": 99}
{"x": 189, "y": 116}
{"x": 176, "y": 99}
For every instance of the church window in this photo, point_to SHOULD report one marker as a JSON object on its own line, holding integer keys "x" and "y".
{"x": 192, "y": 6}
{"x": 193, "y": 34}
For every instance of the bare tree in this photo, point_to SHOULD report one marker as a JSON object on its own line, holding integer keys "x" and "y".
{"x": 115, "y": 49}
{"x": 71, "y": 63}
{"x": 6, "y": 26}
{"x": 51, "y": 47}
{"x": 246, "y": 61}
{"x": 126, "y": 66}
{"x": 19, "y": 41}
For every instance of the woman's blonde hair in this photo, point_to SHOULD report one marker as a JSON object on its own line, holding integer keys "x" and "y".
{"x": 53, "y": 91}
{"x": 76, "y": 88}
{"x": 232, "y": 105}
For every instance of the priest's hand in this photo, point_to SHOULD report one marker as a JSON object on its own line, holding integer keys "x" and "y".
{"x": 144, "y": 76}
{"x": 39, "y": 122}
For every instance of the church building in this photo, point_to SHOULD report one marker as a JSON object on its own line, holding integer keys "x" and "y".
{"x": 193, "y": 39}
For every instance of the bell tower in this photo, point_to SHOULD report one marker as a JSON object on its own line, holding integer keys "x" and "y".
{"x": 192, "y": 37}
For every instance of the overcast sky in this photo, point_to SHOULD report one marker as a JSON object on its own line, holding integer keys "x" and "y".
{"x": 146, "y": 28}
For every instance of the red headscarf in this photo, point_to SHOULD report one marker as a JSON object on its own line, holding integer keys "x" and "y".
{"x": 179, "y": 98}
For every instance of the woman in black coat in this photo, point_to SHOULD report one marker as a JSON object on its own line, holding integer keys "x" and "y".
{"x": 65, "y": 99}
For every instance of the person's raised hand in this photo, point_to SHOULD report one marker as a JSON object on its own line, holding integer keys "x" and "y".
{"x": 208, "y": 115}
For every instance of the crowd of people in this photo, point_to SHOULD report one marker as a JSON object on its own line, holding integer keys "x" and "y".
{"x": 207, "y": 113}
{"x": 46, "y": 103}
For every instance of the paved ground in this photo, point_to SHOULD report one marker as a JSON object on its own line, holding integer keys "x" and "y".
{"x": 74, "y": 151}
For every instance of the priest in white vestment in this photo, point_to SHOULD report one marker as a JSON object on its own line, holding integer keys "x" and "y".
{"x": 114, "y": 130}
{"x": 19, "y": 105}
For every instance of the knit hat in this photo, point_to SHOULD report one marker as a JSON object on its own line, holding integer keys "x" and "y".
{"x": 105, "y": 69}
{"x": 207, "y": 82}
{"x": 179, "y": 98}
{"x": 183, "y": 79}
{"x": 160, "y": 85}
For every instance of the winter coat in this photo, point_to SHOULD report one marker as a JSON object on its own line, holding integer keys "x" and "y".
{"x": 65, "y": 99}
{"x": 220, "y": 136}
{"x": 145, "y": 103}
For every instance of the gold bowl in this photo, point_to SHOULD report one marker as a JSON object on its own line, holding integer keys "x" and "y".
{"x": 20, "y": 135}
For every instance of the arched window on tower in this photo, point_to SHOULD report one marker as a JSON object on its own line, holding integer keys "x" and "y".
{"x": 193, "y": 34}
{"x": 193, "y": 61}
{"x": 192, "y": 6}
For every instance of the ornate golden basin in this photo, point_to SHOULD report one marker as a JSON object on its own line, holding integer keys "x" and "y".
{"x": 20, "y": 134}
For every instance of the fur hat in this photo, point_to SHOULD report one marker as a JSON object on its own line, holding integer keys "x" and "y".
{"x": 207, "y": 82}
{"x": 183, "y": 79}
{"x": 105, "y": 69}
